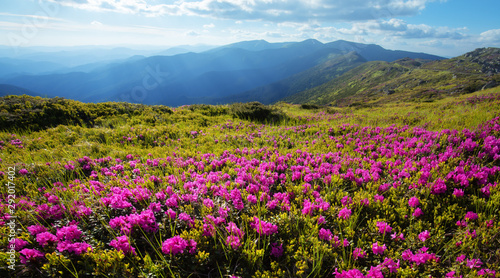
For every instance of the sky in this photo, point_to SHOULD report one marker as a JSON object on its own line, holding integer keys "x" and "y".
{"x": 443, "y": 27}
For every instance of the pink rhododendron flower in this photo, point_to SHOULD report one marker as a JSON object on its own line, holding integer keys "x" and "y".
{"x": 174, "y": 245}
{"x": 276, "y": 250}
{"x": 397, "y": 237}
{"x": 358, "y": 253}
{"x": 460, "y": 258}
{"x": 18, "y": 244}
{"x": 383, "y": 227}
{"x": 122, "y": 243}
{"x": 458, "y": 192}
{"x": 68, "y": 233}
{"x": 423, "y": 236}
{"x": 30, "y": 255}
{"x": 234, "y": 230}
{"x": 439, "y": 187}
{"x": 378, "y": 249}
{"x": 171, "y": 214}
{"x": 470, "y": 215}
{"x": 352, "y": 273}
{"x": 378, "y": 198}
{"x": 36, "y": 229}
{"x": 262, "y": 227}
{"x": 325, "y": 234}
{"x": 375, "y": 272}
{"x": 345, "y": 213}
{"x": 413, "y": 202}
{"x": 417, "y": 213}
{"x": 45, "y": 238}
{"x": 321, "y": 220}
{"x": 233, "y": 242}
{"x": 23, "y": 172}
{"x": 308, "y": 208}
{"x": 76, "y": 248}
{"x": 474, "y": 263}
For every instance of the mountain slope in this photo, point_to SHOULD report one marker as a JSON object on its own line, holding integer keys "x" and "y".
{"x": 6, "y": 90}
{"x": 315, "y": 76}
{"x": 408, "y": 80}
{"x": 373, "y": 52}
{"x": 210, "y": 76}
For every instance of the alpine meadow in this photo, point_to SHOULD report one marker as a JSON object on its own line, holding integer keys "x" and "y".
{"x": 250, "y": 139}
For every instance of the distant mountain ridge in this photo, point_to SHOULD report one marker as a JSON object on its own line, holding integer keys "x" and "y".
{"x": 408, "y": 80}
{"x": 250, "y": 70}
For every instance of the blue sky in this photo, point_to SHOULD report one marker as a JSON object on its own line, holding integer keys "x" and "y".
{"x": 442, "y": 27}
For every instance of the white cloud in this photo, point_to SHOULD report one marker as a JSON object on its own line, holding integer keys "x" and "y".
{"x": 211, "y": 25}
{"x": 399, "y": 28}
{"x": 192, "y": 33}
{"x": 491, "y": 36}
{"x": 96, "y": 23}
{"x": 267, "y": 10}
{"x": 34, "y": 17}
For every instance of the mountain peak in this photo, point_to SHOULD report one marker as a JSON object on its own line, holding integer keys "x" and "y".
{"x": 311, "y": 41}
{"x": 488, "y": 58}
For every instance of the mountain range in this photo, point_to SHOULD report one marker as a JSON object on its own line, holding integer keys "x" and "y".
{"x": 338, "y": 72}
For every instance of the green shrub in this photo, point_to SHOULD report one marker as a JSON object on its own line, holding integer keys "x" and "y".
{"x": 256, "y": 111}
{"x": 309, "y": 106}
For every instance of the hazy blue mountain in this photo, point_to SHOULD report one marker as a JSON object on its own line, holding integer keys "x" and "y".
{"x": 242, "y": 70}
{"x": 332, "y": 68}
{"x": 6, "y": 89}
{"x": 73, "y": 56}
{"x": 184, "y": 49}
{"x": 11, "y": 67}
{"x": 254, "y": 45}
{"x": 373, "y": 52}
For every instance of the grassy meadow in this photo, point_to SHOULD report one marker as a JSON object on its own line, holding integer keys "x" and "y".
{"x": 246, "y": 190}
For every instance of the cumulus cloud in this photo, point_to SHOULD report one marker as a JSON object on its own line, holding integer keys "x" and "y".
{"x": 192, "y": 33}
{"x": 490, "y": 36}
{"x": 268, "y": 10}
{"x": 399, "y": 28}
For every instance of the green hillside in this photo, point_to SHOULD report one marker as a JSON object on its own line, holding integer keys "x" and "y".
{"x": 330, "y": 69}
{"x": 407, "y": 79}
{"x": 249, "y": 190}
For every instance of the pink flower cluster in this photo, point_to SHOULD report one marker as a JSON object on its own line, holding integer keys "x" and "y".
{"x": 177, "y": 244}
{"x": 262, "y": 227}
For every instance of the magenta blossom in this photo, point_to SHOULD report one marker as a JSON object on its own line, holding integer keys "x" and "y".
{"x": 383, "y": 227}
{"x": 233, "y": 241}
{"x": 68, "y": 233}
{"x": 470, "y": 215}
{"x": 425, "y": 235}
{"x": 358, "y": 253}
{"x": 417, "y": 213}
{"x": 325, "y": 234}
{"x": 378, "y": 249}
{"x": 262, "y": 227}
{"x": 174, "y": 245}
{"x": 345, "y": 213}
{"x": 474, "y": 263}
{"x": 30, "y": 255}
{"x": 36, "y": 229}
{"x": 122, "y": 243}
{"x": 76, "y": 248}
{"x": 352, "y": 273}
{"x": 413, "y": 202}
{"x": 17, "y": 244}
{"x": 276, "y": 250}
{"x": 45, "y": 238}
